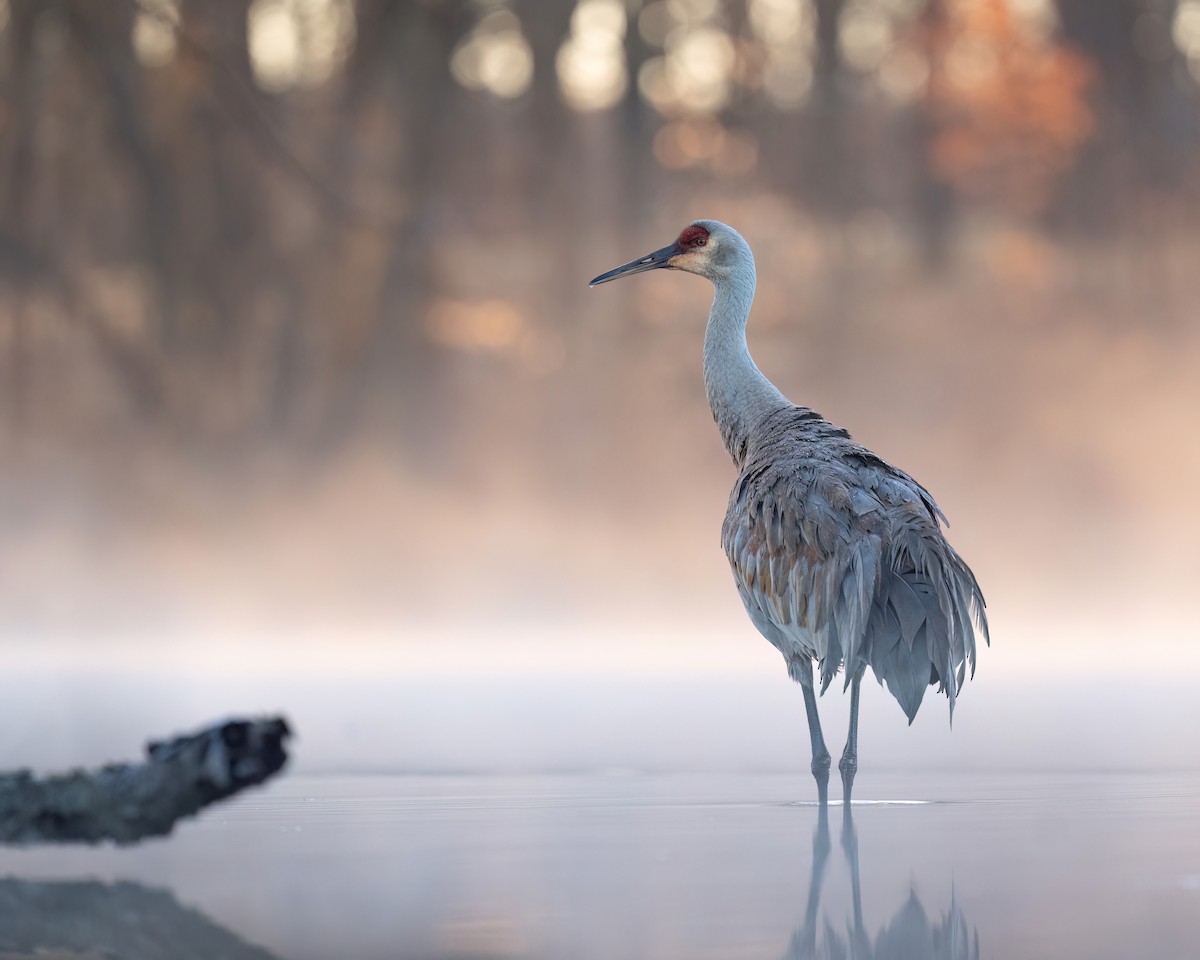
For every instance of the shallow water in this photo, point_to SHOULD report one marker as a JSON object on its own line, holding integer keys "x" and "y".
{"x": 632, "y": 866}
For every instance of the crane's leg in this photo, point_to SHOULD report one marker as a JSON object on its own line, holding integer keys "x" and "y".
{"x": 849, "y": 762}
{"x": 820, "y": 753}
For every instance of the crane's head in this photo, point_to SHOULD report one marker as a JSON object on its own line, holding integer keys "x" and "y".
{"x": 705, "y": 247}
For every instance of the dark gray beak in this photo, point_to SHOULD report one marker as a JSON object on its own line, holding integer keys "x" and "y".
{"x": 651, "y": 261}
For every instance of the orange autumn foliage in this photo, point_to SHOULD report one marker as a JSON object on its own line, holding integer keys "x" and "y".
{"x": 1008, "y": 103}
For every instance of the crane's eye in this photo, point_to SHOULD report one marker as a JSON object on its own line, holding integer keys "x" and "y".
{"x": 699, "y": 242}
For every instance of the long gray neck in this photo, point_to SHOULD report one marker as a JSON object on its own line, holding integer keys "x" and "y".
{"x": 738, "y": 392}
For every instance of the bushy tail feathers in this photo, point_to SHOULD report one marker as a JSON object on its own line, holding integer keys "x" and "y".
{"x": 922, "y": 632}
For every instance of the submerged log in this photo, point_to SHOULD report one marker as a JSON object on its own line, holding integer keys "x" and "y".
{"x": 125, "y": 803}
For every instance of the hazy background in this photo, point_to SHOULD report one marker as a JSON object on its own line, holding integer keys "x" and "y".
{"x": 307, "y": 406}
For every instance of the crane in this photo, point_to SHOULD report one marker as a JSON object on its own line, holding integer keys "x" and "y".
{"x": 838, "y": 556}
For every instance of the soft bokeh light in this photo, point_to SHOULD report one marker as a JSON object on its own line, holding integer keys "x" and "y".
{"x": 591, "y": 63}
{"x": 781, "y": 22}
{"x": 1186, "y": 28}
{"x": 865, "y": 34}
{"x": 682, "y": 144}
{"x": 699, "y": 67}
{"x": 492, "y": 325}
{"x": 788, "y": 79}
{"x": 298, "y": 43}
{"x": 1039, "y": 17}
{"x": 906, "y": 9}
{"x": 155, "y": 32}
{"x": 786, "y": 29}
{"x": 970, "y": 62}
{"x": 495, "y": 57}
{"x": 654, "y": 86}
{"x": 903, "y": 75}
{"x": 656, "y": 20}
{"x": 274, "y": 36}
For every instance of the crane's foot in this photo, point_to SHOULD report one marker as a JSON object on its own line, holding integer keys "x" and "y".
{"x": 820, "y": 772}
{"x": 849, "y": 767}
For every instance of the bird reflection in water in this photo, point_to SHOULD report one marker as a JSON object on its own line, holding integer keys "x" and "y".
{"x": 909, "y": 935}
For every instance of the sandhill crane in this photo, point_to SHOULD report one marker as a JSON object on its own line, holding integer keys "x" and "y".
{"x": 838, "y": 556}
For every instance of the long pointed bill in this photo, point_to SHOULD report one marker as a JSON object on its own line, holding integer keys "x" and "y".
{"x": 651, "y": 261}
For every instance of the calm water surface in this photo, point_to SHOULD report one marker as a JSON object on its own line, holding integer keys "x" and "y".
{"x": 632, "y": 866}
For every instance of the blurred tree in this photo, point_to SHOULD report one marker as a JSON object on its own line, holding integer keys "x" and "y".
{"x": 827, "y": 62}
{"x": 934, "y": 208}
{"x": 244, "y": 245}
{"x": 829, "y": 155}
{"x": 1144, "y": 102}
{"x": 401, "y": 72}
{"x": 20, "y": 236}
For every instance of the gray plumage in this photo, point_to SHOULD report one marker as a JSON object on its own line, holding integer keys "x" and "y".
{"x": 838, "y": 556}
